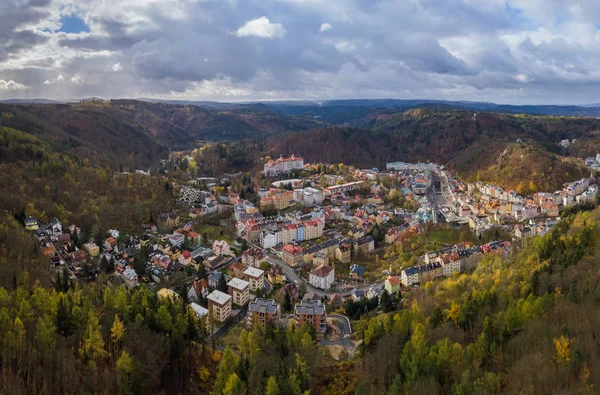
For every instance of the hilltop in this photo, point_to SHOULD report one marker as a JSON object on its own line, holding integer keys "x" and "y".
{"x": 136, "y": 133}
{"x": 470, "y": 145}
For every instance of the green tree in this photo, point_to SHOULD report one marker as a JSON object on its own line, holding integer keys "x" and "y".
{"x": 272, "y": 387}
{"x": 124, "y": 369}
{"x": 226, "y": 369}
{"x": 386, "y": 302}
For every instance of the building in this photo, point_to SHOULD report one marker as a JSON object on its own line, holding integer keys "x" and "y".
{"x": 275, "y": 275}
{"x": 219, "y": 303}
{"x": 252, "y": 257}
{"x": 110, "y": 243}
{"x": 365, "y": 244}
{"x": 292, "y": 255}
{"x": 336, "y": 301}
{"x": 357, "y": 271}
{"x": 277, "y": 200}
{"x": 213, "y": 279}
{"x": 128, "y": 275}
{"x": 291, "y": 290}
{"x": 357, "y": 294}
{"x": 239, "y": 290}
{"x": 263, "y": 311}
{"x": 282, "y": 165}
{"x": 343, "y": 253}
{"x": 198, "y": 289}
{"x": 256, "y": 278}
{"x": 309, "y": 196}
{"x": 392, "y": 284}
{"x": 322, "y": 277}
{"x": 336, "y": 189}
{"x": 92, "y": 249}
{"x": 320, "y": 259}
{"x": 312, "y": 313}
{"x": 220, "y": 247}
{"x": 31, "y": 223}
{"x": 202, "y": 314}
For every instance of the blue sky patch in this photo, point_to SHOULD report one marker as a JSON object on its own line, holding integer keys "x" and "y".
{"x": 73, "y": 24}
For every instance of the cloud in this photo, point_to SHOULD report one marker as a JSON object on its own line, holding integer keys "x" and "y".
{"x": 11, "y": 86}
{"x": 324, "y": 27}
{"x": 515, "y": 51}
{"x": 261, "y": 27}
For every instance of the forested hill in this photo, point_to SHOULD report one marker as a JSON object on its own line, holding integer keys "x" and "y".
{"x": 135, "y": 132}
{"x": 457, "y": 139}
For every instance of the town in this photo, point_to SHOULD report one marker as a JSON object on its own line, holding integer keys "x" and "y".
{"x": 313, "y": 243}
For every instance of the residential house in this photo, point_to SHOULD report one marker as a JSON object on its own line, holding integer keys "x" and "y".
{"x": 275, "y": 275}
{"x": 322, "y": 277}
{"x": 357, "y": 294}
{"x": 343, "y": 253}
{"x": 78, "y": 256}
{"x": 128, "y": 275}
{"x": 220, "y": 247}
{"x": 198, "y": 289}
{"x": 256, "y": 278}
{"x": 263, "y": 311}
{"x": 239, "y": 290}
{"x": 236, "y": 269}
{"x": 55, "y": 227}
{"x": 374, "y": 291}
{"x": 219, "y": 303}
{"x": 392, "y": 284}
{"x": 357, "y": 271}
{"x": 292, "y": 255}
{"x": 202, "y": 314}
{"x": 336, "y": 301}
{"x": 365, "y": 244}
{"x": 109, "y": 243}
{"x": 213, "y": 279}
{"x": 92, "y": 249}
{"x": 185, "y": 258}
{"x": 292, "y": 290}
{"x": 313, "y": 314}
{"x": 320, "y": 259}
{"x": 252, "y": 257}
{"x": 31, "y": 223}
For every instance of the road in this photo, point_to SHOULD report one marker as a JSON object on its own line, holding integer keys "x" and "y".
{"x": 240, "y": 315}
{"x": 344, "y": 321}
{"x": 62, "y": 258}
{"x": 291, "y": 275}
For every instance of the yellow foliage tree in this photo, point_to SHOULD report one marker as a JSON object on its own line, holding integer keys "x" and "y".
{"x": 563, "y": 349}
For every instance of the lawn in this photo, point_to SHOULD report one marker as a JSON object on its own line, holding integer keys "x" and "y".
{"x": 450, "y": 236}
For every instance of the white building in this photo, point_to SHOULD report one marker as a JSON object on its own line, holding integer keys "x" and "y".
{"x": 220, "y": 247}
{"x": 322, "y": 277}
{"x": 239, "y": 290}
{"x": 309, "y": 196}
{"x": 268, "y": 239}
{"x": 283, "y": 165}
{"x": 256, "y": 278}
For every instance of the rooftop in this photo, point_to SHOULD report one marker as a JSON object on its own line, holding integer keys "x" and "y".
{"x": 254, "y": 272}
{"x": 199, "y": 310}
{"x": 263, "y": 306}
{"x": 219, "y": 297}
{"x": 310, "y": 307}
{"x": 238, "y": 283}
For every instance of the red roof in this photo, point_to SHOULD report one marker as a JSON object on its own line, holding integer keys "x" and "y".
{"x": 292, "y": 249}
{"x": 186, "y": 254}
{"x": 393, "y": 280}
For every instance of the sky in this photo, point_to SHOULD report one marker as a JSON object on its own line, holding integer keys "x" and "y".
{"x": 517, "y": 52}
